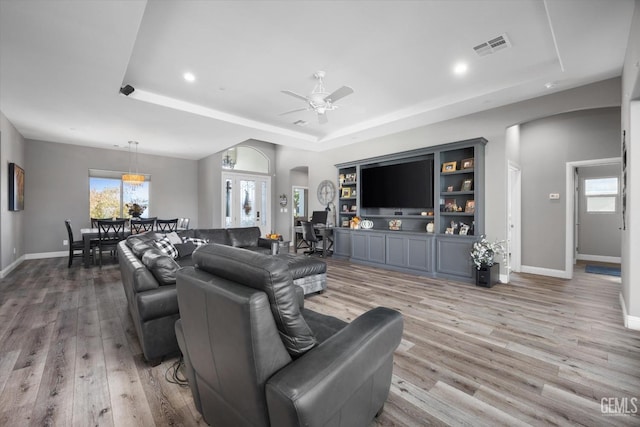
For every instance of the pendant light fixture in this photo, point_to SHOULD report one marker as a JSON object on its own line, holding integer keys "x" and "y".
{"x": 133, "y": 178}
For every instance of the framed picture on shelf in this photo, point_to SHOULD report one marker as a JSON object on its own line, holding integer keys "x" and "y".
{"x": 354, "y": 208}
{"x": 467, "y": 184}
{"x": 345, "y": 222}
{"x": 353, "y": 192}
{"x": 346, "y": 192}
{"x": 467, "y": 164}
{"x": 450, "y": 189}
{"x": 470, "y": 206}
{"x": 345, "y": 208}
{"x": 450, "y": 205}
{"x": 449, "y": 166}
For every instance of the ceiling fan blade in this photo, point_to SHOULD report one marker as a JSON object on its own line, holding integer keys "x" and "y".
{"x": 322, "y": 119}
{"x": 295, "y": 95}
{"x": 339, "y": 93}
{"x": 293, "y": 111}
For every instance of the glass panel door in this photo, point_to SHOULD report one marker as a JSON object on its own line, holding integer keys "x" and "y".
{"x": 246, "y": 201}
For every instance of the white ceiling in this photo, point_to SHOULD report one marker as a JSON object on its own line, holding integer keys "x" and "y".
{"x": 62, "y": 64}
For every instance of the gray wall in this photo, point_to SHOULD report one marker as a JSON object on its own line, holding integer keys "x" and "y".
{"x": 491, "y": 124}
{"x": 12, "y": 224}
{"x": 599, "y": 232}
{"x": 58, "y": 188}
{"x": 546, "y": 146}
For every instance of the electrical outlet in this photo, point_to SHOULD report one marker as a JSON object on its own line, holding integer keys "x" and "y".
{"x": 65, "y": 243}
{"x": 554, "y": 196}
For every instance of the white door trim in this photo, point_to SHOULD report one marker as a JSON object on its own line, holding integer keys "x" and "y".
{"x": 514, "y": 196}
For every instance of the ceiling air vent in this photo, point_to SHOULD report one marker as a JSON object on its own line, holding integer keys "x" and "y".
{"x": 301, "y": 123}
{"x": 493, "y": 45}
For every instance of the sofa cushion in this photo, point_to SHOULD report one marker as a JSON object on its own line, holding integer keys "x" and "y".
{"x": 270, "y": 275}
{"x": 165, "y": 245}
{"x": 173, "y": 238}
{"x": 214, "y": 235}
{"x": 245, "y": 237}
{"x": 163, "y": 267}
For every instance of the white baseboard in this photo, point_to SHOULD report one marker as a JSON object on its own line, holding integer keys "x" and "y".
{"x": 631, "y": 322}
{"x": 5, "y": 272}
{"x": 599, "y": 258}
{"x": 545, "y": 272}
{"x": 503, "y": 278}
{"x": 42, "y": 255}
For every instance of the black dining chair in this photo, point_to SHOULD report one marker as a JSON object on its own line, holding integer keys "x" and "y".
{"x": 310, "y": 237}
{"x": 74, "y": 245}
{"x": 167, "y": 225}
{"x": 142, "y": 225}
{"x": 110, "y": 233}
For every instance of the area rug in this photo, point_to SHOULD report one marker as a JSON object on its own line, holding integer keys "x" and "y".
{"x": 598, "y": 269}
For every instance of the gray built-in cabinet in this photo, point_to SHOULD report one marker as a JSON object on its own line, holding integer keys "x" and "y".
{"x": 458, "y": 204}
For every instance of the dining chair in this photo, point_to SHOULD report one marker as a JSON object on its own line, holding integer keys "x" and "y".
{"x": 110, "y": 233}
{"x": 94, "y": 222}
{"x": 183, "y": 223}
{"x": 74, "y": 245}
{"x": 142, "y": 225}
{"x": 167, "y": 225}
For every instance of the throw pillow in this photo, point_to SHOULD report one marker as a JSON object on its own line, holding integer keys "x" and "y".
{"x": 197, "y": 242}
{"x": 185, "y": 249}
{"x": 173, "y": 238}
{"x": 166, "y": 247}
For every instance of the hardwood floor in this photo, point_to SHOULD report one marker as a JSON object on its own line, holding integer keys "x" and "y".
{"x": 538, "y": 351}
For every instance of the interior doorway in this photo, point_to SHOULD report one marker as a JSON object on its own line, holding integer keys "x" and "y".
{"x": 572, "y": 221}
{"x": 514, "y": 219}
{"x": 300, "y": 197}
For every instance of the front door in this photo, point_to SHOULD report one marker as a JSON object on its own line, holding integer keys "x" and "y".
{"x": 246, "y": 201}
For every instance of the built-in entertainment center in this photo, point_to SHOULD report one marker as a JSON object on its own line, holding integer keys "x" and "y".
{"x": 417, "y": 211}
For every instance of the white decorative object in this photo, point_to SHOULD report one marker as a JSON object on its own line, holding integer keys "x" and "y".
{"x": 366, "y": 224}
{"x": 430, "y": 227}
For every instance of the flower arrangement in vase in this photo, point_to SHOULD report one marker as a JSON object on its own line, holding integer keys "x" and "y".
{"x": 135, "y": 209}
{"x": 484, "y": 251}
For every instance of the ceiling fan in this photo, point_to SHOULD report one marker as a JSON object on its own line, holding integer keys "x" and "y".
{"x": 319, "y": 100}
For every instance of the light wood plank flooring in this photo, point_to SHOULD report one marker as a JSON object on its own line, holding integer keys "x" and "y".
{"x": 538, "y": 351}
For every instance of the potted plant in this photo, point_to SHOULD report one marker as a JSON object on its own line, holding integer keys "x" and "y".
{"x": 483, "y": 254}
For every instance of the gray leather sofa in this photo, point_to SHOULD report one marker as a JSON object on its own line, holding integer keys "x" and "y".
{"x": 149, "y": 278}
{"x": 255, "y": 357}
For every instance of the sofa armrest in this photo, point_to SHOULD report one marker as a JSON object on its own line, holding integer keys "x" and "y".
{"x": 161, "y": 302}
{"x": 356, "y": 361}
{"x": 272, "y": 244}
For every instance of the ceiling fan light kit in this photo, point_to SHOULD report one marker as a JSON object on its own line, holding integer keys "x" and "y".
{"x": 319, "y": 100}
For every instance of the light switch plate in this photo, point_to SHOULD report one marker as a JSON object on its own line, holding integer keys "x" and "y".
{"x": 554, "y": 196}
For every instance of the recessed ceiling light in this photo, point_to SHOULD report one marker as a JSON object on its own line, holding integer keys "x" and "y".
{"x": 550, "y": 85}
{"x": 189, "y": 77}
{"x": 460, "y": 68}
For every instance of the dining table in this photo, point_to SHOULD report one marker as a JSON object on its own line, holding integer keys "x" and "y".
{"x": 326, "y": 231}
{"x": 89, "y": 235}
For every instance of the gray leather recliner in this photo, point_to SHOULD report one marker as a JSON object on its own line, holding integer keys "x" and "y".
{"x": 255, "y": 357}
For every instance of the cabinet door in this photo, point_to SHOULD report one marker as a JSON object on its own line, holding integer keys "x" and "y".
{"x": 342, "y": 242}
{"x": 453, "y": 256}
{"x": 359, "y": 246}
{"x": 397, "y": 250}
{"x": 377, "y": 248}
{"x": 419, "y": 253}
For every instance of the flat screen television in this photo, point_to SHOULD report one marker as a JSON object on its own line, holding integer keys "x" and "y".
{"x": 400, "y": 185}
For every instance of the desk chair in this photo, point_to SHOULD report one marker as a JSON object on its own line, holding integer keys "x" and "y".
{"x": 319, "y": 217}
{"x": 167, "y": 225}
{"x": 110, "y": 233}
{"x": 74, "y": 245}
{"x": 310, "y": 237}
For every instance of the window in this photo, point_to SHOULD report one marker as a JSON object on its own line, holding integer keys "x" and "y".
{"x": 601, "y": 194}
{"x": 109, "y": 196}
